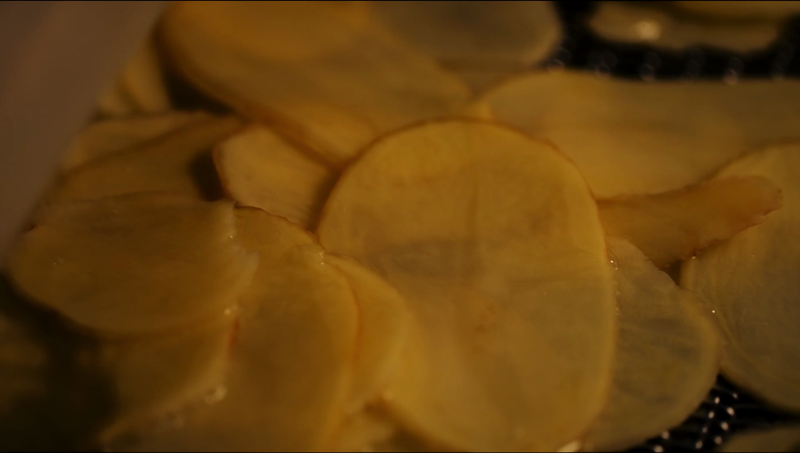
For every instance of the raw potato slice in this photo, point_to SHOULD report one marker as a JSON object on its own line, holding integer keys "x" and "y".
{"x": 289, "y": 373}
{"x": 785, "y": 438}
{"x": 142, "y": 78}
{"x": 631, "y": 138}
{"x": 259, "y": 168}
{"x": 134, "y": 264}
{"x": 178, "y": 162}
{"x": 674, "y": 225}
{"x": 484, "y": 35}
{"x": 655, "y": 26}
{"x": 668, "y": 354}
{"x": 335, "y": 89}
{"x": 118, "y": 134}
{"x": 494, "y": 242}
{"x": 751, "y": 282}
{"x": 745, "y": 10}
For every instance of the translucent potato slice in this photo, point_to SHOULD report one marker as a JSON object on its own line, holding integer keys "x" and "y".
{"x": 259, "y": 168}
{"x": 134, "y": 264}
{"x": 784, "y": 438}
{"x": 118, "y": 134}
{"x": 495, "y": 244}
{"x": 142, "y": 78}
{"x": 177, "y": 162}
{"x": 674, "y": 225}
{"x": 288, "y": 378}
{"x": 631, "y": 138}
{"x": 751, "y": 283}
{"x": 744, "y": 10}
{"x": 482, "y": 35}
{"x": 655, "y": 26}
{"x": 335, "y": 89}
{"x": 667, "y": 357}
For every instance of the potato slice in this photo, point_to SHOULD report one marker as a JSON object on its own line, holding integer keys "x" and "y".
{"x": 745, "y": 10}
{"x": 481, "y": 35}
{"x": 784, "y": 438}
{"x": 289, "y": 372}
{"x": 632, "y": 138}
{"x": 142, "y": 78}
{"x": 655, "y": 26}
{"x": 668, "y": 354}
{"x": 177, "y": 162}
{"x": 335, "y": 89}
{"x": 118, "y": 134}
{"x": 495, "y": 243}
{"x": 259, "y": 168}
{"x": 121, "y": 265}
{"x": 674, "y": 225}
{"x": 750, "y": 281}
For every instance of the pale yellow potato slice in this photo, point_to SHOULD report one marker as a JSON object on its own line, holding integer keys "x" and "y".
{"x": 178, "y": 162}
{"x": 751, "y": 283}
{"x": 631, "y": 138}
{"x": 784, "y": 438}
{"x": 135, "y": 263}
{"x": 494, "y": 242}
{"x": 667, "y": 357}
{"x": 142, "y": 79}
{"x": 261, "y": 169}
{"x": 504, "y": 35}
{"x": 118, "y": 134}
{"x": 335, "y": 89}
{"x": 672, "y": 226}
{"x": 640, "y": 23}
{"x": 744, "y": 10}
{"x": 289, "y": 375}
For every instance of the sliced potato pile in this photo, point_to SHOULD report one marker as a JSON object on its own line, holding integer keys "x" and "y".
{"x": 784, "y": 438}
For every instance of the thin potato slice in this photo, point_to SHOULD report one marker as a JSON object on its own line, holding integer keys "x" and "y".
{"x": 784, "y": 438}
{"x": 261, "y": 169}
{"x": 495, "y": 243}
{"x": 631, "y": 138}
{"x": 118, "y": 134}
{"x": 134, "y": 264}
{"x": 142, "y": 79}
{"x": 668, "y": 355}
{"x": 674, "y": 225}
{"x": 740, "y": 10}
{"x": 178, "y": 162}
{"x": 751, "y": 283}
{"x": 335, "y": 89}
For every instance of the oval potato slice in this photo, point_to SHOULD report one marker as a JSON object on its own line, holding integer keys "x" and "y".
{"x": 784, "y": 438}
{"x": 668, "y": 354}
{"x": 750, "y": 281}
{"x": 494, "y": 241}
{"x": 134, "y": 264}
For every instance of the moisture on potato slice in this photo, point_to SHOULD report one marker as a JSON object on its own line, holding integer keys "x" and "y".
{"x": 289, "y": 371}
{"x": 656, "y": 26}
{"x": 780, "y": 439}
{"x": 118, "y": 134}
{"x": 750, "y": 281}
{"x": 494, "y": 241}
{"x": 667, "y": 356}
{"x": 135, "y": 263}
{"x": 630, "y": 138}
{"x": 179, "y": 162}
{"x": 740, "y": 10}
{"x": 335, "y": 89}
{"x": 261, "y": 169}
{"x": 674, "y": 225}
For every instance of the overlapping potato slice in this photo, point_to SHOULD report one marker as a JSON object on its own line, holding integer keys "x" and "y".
{"x": 745, "y": 10}
{"x": 288, "y": 379}
{"x": 751, "y": 283}
{"x": 656, "y": 26}
{"x": 178, "y": 162}
{"x": 335, "y": 89}
{"x": 495, "y": 244}
{"x": 667, "y": 357}
{"x": 118, "y": 134}
{"x": 674, "y": 225}
{"x": 135, "y": 263}
{"x": 784, "y": 438}
{"x": 638, "y": 138}
{"x": 259, "y": 168}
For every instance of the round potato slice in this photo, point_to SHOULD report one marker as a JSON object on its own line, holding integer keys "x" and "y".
{"x": 134, "y": 264}
{"x": 335, "y": 89}
{"x": 750, "y": 281}
{"x": 494, "y": 242}
{"x": 784, "y": 438}
{"x": 668, "y": 354}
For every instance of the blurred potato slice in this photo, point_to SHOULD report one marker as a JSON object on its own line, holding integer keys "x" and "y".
{"x": 494, "y": 242}
{"x": 667, "y": 357}
{"x": 751, "y": 283}
{"x": 142, "y": 78}
{"x": 115, "y": 101}
{"x": 674, "y": 225}
{"x": 744, "y": 10}
{"x": 780, "y": 439}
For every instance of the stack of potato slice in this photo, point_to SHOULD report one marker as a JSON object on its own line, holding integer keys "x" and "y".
{"x": 365, "y": 254}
